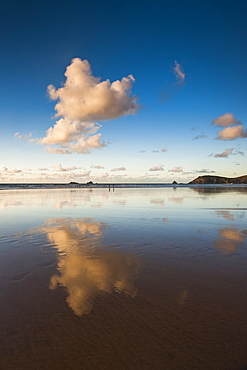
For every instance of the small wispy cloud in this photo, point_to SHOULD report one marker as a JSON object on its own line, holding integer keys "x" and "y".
{"x": 224, "y": 154}
{"x": 157, "y": 168}
{"x": 179, "y": 74}
{"x": 118, "y": 169}
{"x": 57, "y": 150}
{"x": 205, "y": 170}
{"x": 17, "y": 135}
{"x": 175, "y": 87}
{"x": 59, "y": 168}
{"x": 164, "y": 150}
{"x": 228, "y": 152}
{"x": 97, "y": 166}
{"x": 176, "y": 169}
{"x": 201, "y": 136}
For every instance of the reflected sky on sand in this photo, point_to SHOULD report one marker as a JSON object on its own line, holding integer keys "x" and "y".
{"x": 84, "y": 268}
{"x": 123, "y": 279}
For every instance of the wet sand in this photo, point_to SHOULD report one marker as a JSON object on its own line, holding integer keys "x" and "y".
{"x": 142, "y": 281}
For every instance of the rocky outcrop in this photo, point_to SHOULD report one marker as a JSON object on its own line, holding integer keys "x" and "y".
{"x": 219, "y": 180}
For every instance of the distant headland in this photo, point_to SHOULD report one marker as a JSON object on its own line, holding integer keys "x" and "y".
{"x": 219, "y": 180}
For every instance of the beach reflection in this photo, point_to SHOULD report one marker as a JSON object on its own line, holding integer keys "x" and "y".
{"x": 85, "y": 267}
{"x": 229, "y": 240}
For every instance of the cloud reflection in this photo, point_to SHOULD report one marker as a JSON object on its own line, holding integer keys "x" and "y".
{"x": 229, "y": 240}
{"x": 229, "y": 216}
{"x": 85, "y": 268}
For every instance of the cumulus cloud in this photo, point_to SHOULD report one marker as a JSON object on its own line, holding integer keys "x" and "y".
{"x": 96, "y": 166}
{"x": 79, "y": 137}
{"x": 65, "y": 131}
{"x": 201, "y": 136}
{"x": 3, "y": 169}
{"x": 233, "y": 128}
{"x": 81, "y": 100}
{"x": 157, "y": 168}
{"x": 232, "y": 133}
{"x": 176, "y": 169}
{"x": 84, "y": 97}
{"x": 225, "y": 120}
{"x": 118, "y": 169}
{"x": 12, "y": 171}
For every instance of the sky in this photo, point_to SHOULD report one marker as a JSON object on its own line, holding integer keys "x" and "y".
{"x": 113, "y": 91}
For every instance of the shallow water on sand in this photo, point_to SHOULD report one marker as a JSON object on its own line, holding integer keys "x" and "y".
{"x": 125, "y": 279}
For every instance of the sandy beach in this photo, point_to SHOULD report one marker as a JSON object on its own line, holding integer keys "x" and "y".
{"x": 130, "y": 279}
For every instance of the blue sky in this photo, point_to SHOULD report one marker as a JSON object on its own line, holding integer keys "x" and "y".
{"x": 177, "y": 111}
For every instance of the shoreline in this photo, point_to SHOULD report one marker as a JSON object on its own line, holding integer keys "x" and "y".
{"x": 113, "y": 186}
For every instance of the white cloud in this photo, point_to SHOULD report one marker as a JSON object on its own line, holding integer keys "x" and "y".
{"x": 233, "y": 128}
{"x": 6, "y": 170}
{"x": 119, "y": 169}
{"x": 157, "y": 168}
{"x": 232, "y": 133}
{"x": 83, "y": 99}
{"x": 65, "y": 131}
{"x": 74, "y": 136}
{"x": 3, "y": 169}
{"x": 176, "y": 169}
{"x": 177, "y": 70}
{"x": 225, "y": 120}
{"x": 86, "y": 144}
{"x": 96, "y": 166}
